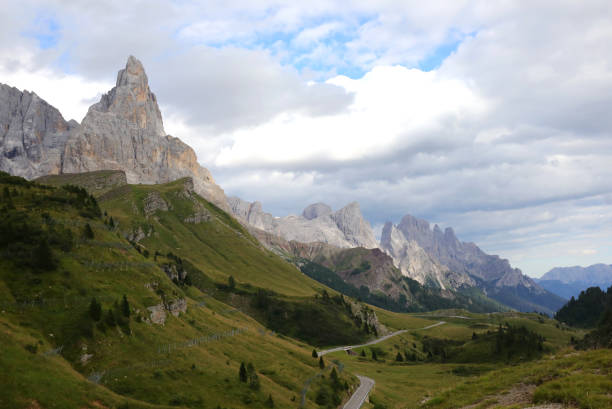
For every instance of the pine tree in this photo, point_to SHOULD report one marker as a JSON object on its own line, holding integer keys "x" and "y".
{"x": 314, "y": 353}
{"x": 111, "y": 222}
{"x": 321, "y": 363}
{"x": 270, "y": 401}
{"x": 363, "y": 353}
{"x": 110, "y": 318}
{"x": 253, "y": 378}
{"x": 88, "y": 232}
{"x": 399, "y": 357}
{"x": 242, "y": 374}
{"x": 95, "y": 310}
{"x": 231, "y": 283}
{"x": 125, "y": 306}
{"x": 374, "y": 357}
{"x": 43, "y": 256}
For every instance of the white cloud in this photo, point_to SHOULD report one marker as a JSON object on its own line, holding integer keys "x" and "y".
{"x": 393, "y": 107}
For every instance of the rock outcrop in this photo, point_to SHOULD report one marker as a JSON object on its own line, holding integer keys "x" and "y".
{"x": 414, "y": 262}
{"x": 33, "y": 134}
{"x": 124, "y": 131}
{"x": 428, "y": 254}
{"x": 318, "y": 223}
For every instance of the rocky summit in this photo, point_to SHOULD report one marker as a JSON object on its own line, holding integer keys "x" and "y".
{"x": 437, "y": 257}
{"x": 318, "y": 223}
{"x": 123, "y": 131}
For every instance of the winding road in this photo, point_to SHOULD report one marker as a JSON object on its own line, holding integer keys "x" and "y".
{"x": 360, "y": 394}
{"x": 376, "y": 341}
{"x": 366, "y": 384}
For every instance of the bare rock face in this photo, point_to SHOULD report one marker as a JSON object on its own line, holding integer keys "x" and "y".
{"x": 125, "y": 131}
{"x": 458, "y": 256}
{"x": 32, "y": 134}
{"x": 427, "y": 255}
{"x": 154, "y": 202}
{"x": 316, "y": 210}
{"x": 414, "y": 262}
{"x": 344, "y": 228}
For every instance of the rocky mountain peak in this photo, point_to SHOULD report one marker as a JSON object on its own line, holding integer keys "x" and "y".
{"x": 355, "y": 228}
{"x": 316, "y": 210}
{"x": 132, "y": 99}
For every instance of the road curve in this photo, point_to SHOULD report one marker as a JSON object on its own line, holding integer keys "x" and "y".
{"x": 360, "y": 395}
{"x": 376, "y": 341}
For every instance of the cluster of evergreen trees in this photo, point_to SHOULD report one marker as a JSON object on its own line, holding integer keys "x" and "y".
{"x": 593, "y": 308}
{"x": 117, "y": 315}
{"x": 511, "y": 340}
{"x": 248, "y": 375}
{"x": 329, "y": 394}
{"x": 587, "y": 310}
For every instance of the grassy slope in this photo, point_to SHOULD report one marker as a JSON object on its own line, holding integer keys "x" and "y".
{"x": 202, "y": 375}
{"x": 409, "y": 384}
{"x": 219, "y": 248}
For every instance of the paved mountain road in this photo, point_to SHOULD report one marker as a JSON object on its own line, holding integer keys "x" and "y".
{"x": 376, "y": 341}
{"x": 360, "y": 394}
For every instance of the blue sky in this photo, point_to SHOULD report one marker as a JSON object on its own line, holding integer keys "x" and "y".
{"x": 470, "y": 114}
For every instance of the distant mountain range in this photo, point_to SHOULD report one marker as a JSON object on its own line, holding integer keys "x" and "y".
{"x": 124, "y": 131}
{"x": 570, "y": 281}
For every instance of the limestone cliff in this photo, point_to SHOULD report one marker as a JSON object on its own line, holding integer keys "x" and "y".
{"x": 318, "y": 223}
{"x": 33, "y": 134}
{"x": 426, "y": 254}
{"x": 123, "y": 131}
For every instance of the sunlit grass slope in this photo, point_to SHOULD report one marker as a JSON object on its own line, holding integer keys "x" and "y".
{"x": 220, "y": 247}
{"x": 59, "y": 252}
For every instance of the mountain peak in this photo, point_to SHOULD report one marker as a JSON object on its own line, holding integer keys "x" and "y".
{"x": 132, "y": 100}
{"x": 133, "y": 74}
{"x": 316, "y": 210}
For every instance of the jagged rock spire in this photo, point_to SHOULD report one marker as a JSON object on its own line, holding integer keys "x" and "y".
{"x": 132, "y": 99}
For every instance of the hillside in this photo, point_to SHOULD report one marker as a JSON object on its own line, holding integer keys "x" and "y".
{"x": 370, "y": 275}
{"x": 156, "y": 339}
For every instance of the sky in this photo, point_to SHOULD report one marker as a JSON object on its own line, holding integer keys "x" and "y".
{"x": 494, "y": 118}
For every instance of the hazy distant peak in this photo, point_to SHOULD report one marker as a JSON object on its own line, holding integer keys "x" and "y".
{"x": 316, "y": 210}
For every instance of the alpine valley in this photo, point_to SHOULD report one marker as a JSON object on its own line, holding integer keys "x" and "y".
{"x": 129, "y": 279}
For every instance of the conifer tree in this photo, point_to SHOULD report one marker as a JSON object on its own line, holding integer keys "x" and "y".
{"x": 374, "y": 357}
{"x": 43, "y": 257}
{"x": 95, "y": 309}
{"x": 399, "y": 357}
{"x": 314, "y": 353}
{"x": 321, "y": 363}
{"x": 231, "y": 283}
{"x": 125, "y": 306}
{"x": 110, "y": 318}
{"x": 242, "y": 374}
{"x": 88, "y": 232}
{"x": 270, "y": 401}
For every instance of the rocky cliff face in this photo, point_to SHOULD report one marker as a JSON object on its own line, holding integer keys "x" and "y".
{"x": 318, "y": 223}
{"x": 33, "y": 134}
{"x": 124, "y": 131}
{"x": 427, "y": 254}
{"x": 414, "y": 262}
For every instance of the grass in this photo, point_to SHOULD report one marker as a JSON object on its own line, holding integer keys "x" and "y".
{"x": 42, "y": 311}
{"x": 220, "y": 247}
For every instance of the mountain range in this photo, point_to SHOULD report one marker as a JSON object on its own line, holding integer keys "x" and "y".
{"x": 568, "y": 282}
{"x": 124, "y": 131}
